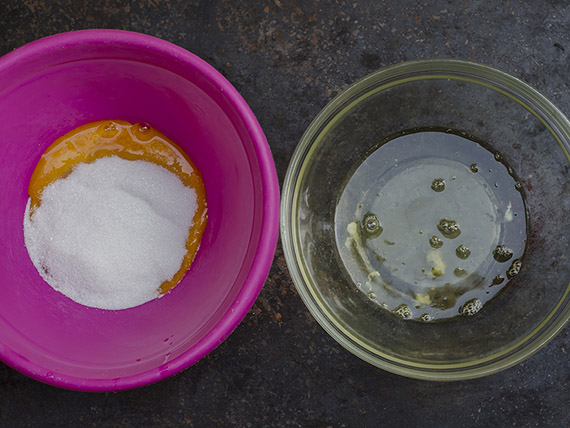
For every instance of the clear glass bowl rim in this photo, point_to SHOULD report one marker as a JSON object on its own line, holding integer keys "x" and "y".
{"x": 377, "y": 81}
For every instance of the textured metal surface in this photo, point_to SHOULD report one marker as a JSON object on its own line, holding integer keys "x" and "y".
{"x": 279, "y": 368}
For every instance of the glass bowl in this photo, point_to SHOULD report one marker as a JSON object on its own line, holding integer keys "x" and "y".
{"x": 511, "y": 121}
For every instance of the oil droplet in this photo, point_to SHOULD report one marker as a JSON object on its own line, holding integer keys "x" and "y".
{"x": 372, "y": 296}
{"x": 471, "y": 307}
{"x": 462, "y": 252}
{"x": 518, "y": 185}
{"x": 502, "y": 253}
{"x": 498, "y": 156}
{"x": 403, "y": 311}
{"x": 474, "y": 168}
{"x": 495, "y": 184}
{"x": 497, "y": 280}
{"x": 435, "y": 242}
{"x": 460, "y": 273}
{"x": 371, "y": 227}
{"x": 449, "y": 228}
{"x": 514, "y": 269}
{"x": 438, "y": 185}
{"x": 426, "y": 317}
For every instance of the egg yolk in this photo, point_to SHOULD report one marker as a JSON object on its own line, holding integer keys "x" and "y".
{"x": 137, "y": 141}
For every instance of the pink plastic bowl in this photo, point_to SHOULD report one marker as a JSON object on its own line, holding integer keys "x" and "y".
{"x": 50, "y": 87}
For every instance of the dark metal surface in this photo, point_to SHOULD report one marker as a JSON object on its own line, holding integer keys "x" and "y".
{"x": 279, "y": 368}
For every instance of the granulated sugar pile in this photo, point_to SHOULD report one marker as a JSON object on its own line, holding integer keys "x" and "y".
{"x": 111, "y": 232}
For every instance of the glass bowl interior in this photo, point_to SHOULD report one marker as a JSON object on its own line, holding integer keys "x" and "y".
{"x": 474, "y": 100}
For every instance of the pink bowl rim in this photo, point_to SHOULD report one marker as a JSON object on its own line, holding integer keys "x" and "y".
{"x": 270, "y": 220}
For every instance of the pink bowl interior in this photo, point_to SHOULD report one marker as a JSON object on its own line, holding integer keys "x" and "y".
{"x": 50, "y": 87}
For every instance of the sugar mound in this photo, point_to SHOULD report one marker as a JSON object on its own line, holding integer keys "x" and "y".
{"x": 111, "y": 232}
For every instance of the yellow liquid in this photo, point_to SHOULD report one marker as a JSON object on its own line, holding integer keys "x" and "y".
{"x": 138, "y": 141}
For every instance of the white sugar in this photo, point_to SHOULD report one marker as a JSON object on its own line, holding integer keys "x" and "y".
{"x": 111, "y": 232}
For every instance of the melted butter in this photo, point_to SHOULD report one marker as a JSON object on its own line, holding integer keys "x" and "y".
{"x": 132, "y": 142}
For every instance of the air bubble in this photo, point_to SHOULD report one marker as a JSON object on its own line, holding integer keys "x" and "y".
{"x": 144, "y": 127}
{"x": 471, "y": 307}
{"x": 372, "y": 296}
{"x": 426, "y": 317}
{"x": 371, "y": 227}
{"x": 460, "y": 273}
{"x": 462, "y": 252}
{"x": 474, "y": 168}
{"x": 142, "y": 131}
{"x": 438, "y": 185}
{"x": 403, "y": 312}
{"x": 498, "y": 156}
{"x": 514, "y": 269}
{"x": 108, "y": 130}
{"x": 518, "y": 185}
{"x": 449, "y": 228}
{"x": 502, "y": 253}
{"x": 435, "y": 242}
